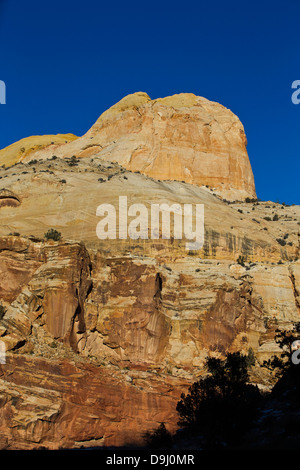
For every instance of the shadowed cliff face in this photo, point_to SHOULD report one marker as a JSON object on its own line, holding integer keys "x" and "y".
{"x": 83, "y": 330}
{"x": 130, "y": 318}
{"x": 57, "y": 404}
{"x": 150, "y": 310}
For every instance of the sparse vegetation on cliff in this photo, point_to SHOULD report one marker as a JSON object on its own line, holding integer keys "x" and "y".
{"x": 225, "y": 411}
{"x": 221, "y": 406}
{"x": 241, "y": 260}
{"x": 53, "y": 234}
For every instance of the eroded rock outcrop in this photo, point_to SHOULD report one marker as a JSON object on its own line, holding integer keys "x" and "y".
{"x": 22, "y": 149}
{"x": 51, "y": 289}
{"x": 182, "y": 137}
{"x": 65, "y": 193}
{"x": 61, "y": 403}
{"x": 99, "y": 348}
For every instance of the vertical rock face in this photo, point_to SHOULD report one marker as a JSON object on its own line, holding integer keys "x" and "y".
{"x": 147, "y": 323}
{"x": 182, "y": 137}
{"x": 129, "y": 316}
{"x": 57, "y": 404}
{"x": 51, "y": 290}
{"x": 63, "y": 281}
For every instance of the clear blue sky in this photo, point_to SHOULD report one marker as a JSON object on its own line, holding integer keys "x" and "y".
{"x": 65, "y": 62}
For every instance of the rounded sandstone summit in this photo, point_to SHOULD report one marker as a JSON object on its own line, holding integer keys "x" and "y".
{"x": 183, "y": 137}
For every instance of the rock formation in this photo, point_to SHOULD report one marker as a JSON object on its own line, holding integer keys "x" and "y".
{"x": 102, "y": 336}
{"x": 22, "y": 149}
{"x": 182, "y": 137}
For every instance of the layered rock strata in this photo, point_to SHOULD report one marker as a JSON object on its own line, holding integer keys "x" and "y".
{"x": 101, "y": 336}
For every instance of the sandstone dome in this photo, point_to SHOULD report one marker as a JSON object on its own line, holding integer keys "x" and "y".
{"x": 182, "y": 137}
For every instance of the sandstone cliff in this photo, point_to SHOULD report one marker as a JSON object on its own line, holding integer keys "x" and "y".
{"x": 102, "y": 336}
{"x": 183, "y": 137}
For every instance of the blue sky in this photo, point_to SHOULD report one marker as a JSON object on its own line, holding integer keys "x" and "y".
{"x": 65, "y": 62}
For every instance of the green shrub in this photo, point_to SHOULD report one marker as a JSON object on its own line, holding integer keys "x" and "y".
{"x": 53, "y": 234}
{"x": 74, "y": 161}
{"x": 241, "y": 260}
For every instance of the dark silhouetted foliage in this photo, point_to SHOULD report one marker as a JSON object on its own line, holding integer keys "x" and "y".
{"x": 285, "y": 339}
{"x": 221, "y": 406}
{"x": 160, "y": 438}
{"x": 241, "y": 260}
{"x": 53, "y": 234}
